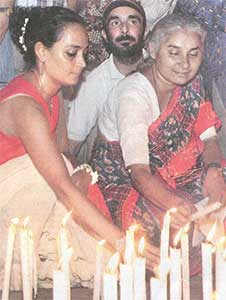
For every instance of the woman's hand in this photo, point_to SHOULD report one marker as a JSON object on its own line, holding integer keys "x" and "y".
{"x": 214, "y": 186}
{"x": 82, "y": 180}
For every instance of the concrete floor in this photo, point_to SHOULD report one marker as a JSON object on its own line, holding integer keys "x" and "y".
{"x": 86, "y": 294}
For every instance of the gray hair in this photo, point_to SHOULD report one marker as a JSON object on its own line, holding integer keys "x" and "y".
{"x": 170, "y": 24}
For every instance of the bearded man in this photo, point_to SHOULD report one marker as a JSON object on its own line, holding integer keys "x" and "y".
{"x": 124, "y": 24}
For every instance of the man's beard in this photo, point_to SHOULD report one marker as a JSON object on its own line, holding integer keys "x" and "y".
{"x": 127, "y": 54}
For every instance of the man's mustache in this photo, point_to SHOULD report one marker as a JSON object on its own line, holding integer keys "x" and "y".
{"x": 124, "y": 38}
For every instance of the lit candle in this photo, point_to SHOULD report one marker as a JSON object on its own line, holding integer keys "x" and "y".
{"x": 139, "y": 273}
{"x": 164, "y": 251}
{"x": 9, "y": 256}
{"x": 25, "y": 262}
{"x": 221, "y": 269}
{"x": 207, "y": 265}
{"x": 126, "y": 270}
{"x": 98, "y": 271}
{"x": 157, "y": 289}
{"x": 59, "y": 286}
{"x": 185, "y": 263}
{"x": 63, "y": 236}
{"x": 175, "y": 274}
{"x": 63, "y": 273}
{"x": 110, "y": 286}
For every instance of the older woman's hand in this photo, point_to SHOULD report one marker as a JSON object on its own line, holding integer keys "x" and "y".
{"x": 214, "y": 186}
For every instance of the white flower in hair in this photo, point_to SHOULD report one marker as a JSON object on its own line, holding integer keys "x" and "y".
{"x": 21, "y": 37}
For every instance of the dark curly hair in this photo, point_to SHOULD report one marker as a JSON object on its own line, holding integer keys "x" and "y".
{"x": 44, "y": 25}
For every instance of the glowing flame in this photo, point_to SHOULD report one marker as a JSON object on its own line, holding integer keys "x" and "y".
{"x": 211, "y": 233}
{"x": 66, "y": 218}
{"x": 15, "y": 221}
{"x": 101, "y": 243}
{"x": 134, "y": 227}
{"x": 25, "y": 222}
{"x": 113, "y": 263}
{"x": 214, "y": 296}
{"x": 180, "y": 233}
{"x": 141, "y": 246}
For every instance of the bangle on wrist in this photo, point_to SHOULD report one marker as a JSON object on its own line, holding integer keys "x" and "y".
{"x": 6, "y": 10}
{"x": 89, "y": 170}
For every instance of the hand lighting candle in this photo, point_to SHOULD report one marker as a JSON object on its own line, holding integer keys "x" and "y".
{"x": 9, "y": 256}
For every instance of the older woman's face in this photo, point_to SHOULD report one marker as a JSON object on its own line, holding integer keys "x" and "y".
{"x": 179, "y": 57}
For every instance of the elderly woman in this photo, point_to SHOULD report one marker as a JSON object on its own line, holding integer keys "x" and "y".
{"x": 157, "y": 146}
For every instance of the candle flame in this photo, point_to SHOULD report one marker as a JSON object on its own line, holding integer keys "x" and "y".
{"x": 141, "y": 246}
{"x": 113, "y": 263}
{"x": 214, "y": 295}
{"x": 15, "y": 221}
{"x": 66, "y": 218}
{"x": 211, "y": 233}
{"x": 172, "y": 210}
{"x": 25, "y": 222}
{"x": 134, "y": 227}
{"x": 101, "y": 243}
{"x": 180, "y": 233}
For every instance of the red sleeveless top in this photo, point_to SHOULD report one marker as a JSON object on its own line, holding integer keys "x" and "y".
{"x": 11, "y": 146}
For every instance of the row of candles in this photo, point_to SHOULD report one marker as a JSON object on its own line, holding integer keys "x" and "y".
{"x": 173, "y": 270}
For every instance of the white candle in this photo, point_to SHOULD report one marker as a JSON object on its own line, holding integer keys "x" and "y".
{"x": 25, "y": 262}
{"x": 164, "y": 252}
{"x": 65, "y": 265}
{"x": 33, "y": 263}
{"x": 207, "y": 265}
{"x": 63, "y": 236}
{"x": 98, "y": 271}
{"x": 207, "y": 277}
{"x": 175, "y": 274}
{"x": 157, "y": 289}
{"x": 185, "y": 266}
{"x": 139, "y": 274}
{"x": 110, "y": 282}
{"x": 60, "y": 291}
{"x": 9, "y": 256}
{"x": 220, "y": 272}
{"x": 126, "y": 282}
